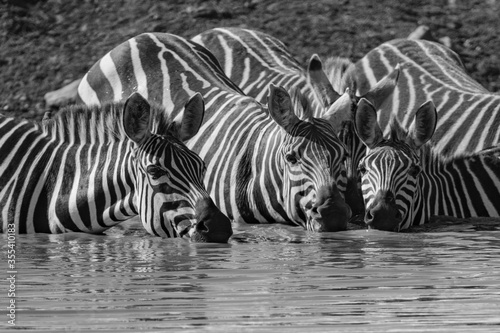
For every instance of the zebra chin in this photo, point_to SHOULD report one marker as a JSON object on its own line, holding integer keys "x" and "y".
{"x": 330, "y": 212}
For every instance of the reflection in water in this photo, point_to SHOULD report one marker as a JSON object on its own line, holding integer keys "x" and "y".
{"x": 267, "y": 278}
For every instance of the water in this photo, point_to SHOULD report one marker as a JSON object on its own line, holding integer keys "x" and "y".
{"x": 267, "y": 279}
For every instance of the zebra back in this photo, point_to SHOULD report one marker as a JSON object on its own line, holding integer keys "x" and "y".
{"x": 469, "y": 115}
{"x": 253, "y": 60}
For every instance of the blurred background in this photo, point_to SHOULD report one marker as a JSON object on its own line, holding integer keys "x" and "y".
{"x": 46, "y": 44}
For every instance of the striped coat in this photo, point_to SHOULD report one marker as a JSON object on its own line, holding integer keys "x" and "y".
{"x": 263, "y": 164}
{"x": 253, "y": 60}
{"x": 469, "y": 115}
{"x": 405, "y": 181}
{"x": 89, "y": 168}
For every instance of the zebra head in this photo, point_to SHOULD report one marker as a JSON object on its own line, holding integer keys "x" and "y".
{"x": 338, "y": 75}
{"x": 311, "y": 158}
{"x": 390, "y": 171}
{"x": 169, "y": 193}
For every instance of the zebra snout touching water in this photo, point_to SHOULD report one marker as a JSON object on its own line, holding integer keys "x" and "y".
{"x": 264, "y": 164}
{"x": 91, "y": 167}
{"x": 404, "y": 182}
{"x": 383, "y": 213}
{"x": 329, "y": 212}
{"x": 211, "y": 224}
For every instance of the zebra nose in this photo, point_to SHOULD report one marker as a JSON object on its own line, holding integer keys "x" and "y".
{"x": 330, "y": 212}
{"x": 383, "y": 216}
{"x": 212, "y": 225}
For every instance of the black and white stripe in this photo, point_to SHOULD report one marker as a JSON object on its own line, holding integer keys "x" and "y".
{"x": 253, "y": 60}
{"x": 89, "y": 168}
{"x": 263, "y": 164}
{"x": 405, "y": 182}
{"x": 469, "y": 115}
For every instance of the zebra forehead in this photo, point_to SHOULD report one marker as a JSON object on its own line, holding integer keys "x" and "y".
{"x": 168, "y": 147}
{"x": 316, "y": 130}
{"x": 306, "y": 134}
{"x": 392, "y": 154}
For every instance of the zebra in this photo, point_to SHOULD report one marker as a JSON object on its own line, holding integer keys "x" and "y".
{"x": 264, "y": 164}
{"x": 469, "y": 115}
{"x": 405, "y": 181}
{"x": 91, "y": 167}
{"x": 253, "y": 60}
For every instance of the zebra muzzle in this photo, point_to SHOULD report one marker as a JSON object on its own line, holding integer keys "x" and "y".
{"x": 383, "y": 214}
{"x": 330, "y": 212}
{"x": 212, "y": 225}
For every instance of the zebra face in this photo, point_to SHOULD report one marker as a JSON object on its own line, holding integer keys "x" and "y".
{"x": 391, "y": 169}
{"x": 312, "y": 159}
{"x": 169, "y": 194}
{"x": 314, "y": 177}
{"x": 389, "y": 180}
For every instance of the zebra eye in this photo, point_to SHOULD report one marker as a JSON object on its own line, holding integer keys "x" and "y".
{"x": 290, "y": 158}
{"x": 414, "y": 170}
{"x": 156, "y": 172}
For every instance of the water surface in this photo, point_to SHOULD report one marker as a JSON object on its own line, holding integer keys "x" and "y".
{"x": 267, "y": 279}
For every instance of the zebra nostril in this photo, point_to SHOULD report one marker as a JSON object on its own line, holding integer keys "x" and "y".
{"x": 201, "y": 226}
{"x": 368, "y": 217}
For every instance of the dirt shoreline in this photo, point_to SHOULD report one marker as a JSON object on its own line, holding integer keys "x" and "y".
{"x": 48, "y": 44}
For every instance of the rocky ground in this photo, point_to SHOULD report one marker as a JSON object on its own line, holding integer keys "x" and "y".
{"x": 47, "y": 44}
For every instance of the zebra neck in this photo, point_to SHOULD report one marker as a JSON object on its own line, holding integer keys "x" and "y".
{"x": 466, "y": 186}
{"x": 265, "y": 186}
{"x": 89, "y": 199}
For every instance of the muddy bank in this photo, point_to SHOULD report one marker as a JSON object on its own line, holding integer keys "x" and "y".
{"x": 48, "y": 44}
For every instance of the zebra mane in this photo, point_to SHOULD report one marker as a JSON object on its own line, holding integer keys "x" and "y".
{"x": 99, "y": 124}
{"x": 341, "y": 74}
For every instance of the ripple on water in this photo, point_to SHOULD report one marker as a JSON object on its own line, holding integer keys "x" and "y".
{"x": 268, "y": 278}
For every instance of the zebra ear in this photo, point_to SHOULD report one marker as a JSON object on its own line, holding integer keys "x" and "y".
{"x": 189, "y": 122}
{"x": 383, "y": 89}
{"x": 300, "y": 105}
{"x": 137, "y": 118}
{"x": 280, "y": 108}
{"x": 320, "y": 83}
{"x": 366, "y": 125}
{"x": 423, "y": 127}
{"x": 339, "y": 112}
